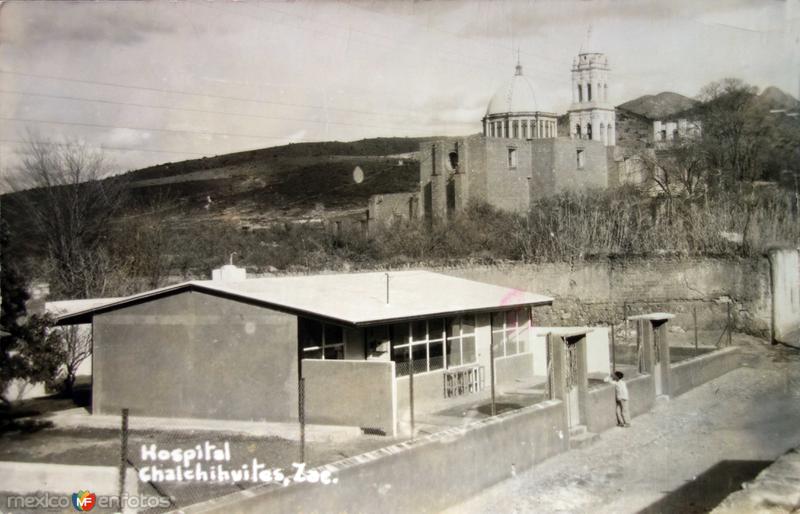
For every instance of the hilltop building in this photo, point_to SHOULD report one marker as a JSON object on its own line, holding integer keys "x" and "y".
{"x": 235, "y": 348}
{"x": 519, "y": 156}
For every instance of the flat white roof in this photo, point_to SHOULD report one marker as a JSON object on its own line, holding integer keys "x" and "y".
{"x": 353, "y": 298}
{"x": 67, "y": 307}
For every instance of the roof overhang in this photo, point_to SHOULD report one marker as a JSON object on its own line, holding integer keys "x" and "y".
{"x": 84, "y": 316}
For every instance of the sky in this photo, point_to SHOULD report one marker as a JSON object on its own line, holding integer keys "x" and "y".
{"x": 155, "y": 82}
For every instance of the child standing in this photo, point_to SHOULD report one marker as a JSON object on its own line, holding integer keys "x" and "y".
{"x": 621, "y": 392}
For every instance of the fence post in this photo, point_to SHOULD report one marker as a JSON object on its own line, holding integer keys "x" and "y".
{"x": 491, "y": 372}
{"x": 627, "y": 327}
{"x": 730, "y": 324}
{"x": 411, "y": 394}
{"x": 301, "y": 415}
{"x": 123, "y": 456}
{"x": 694, "y": 315}
{"x": 613, "y": 349}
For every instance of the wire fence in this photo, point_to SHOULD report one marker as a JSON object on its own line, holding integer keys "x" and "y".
{"x": 697, "y": 328}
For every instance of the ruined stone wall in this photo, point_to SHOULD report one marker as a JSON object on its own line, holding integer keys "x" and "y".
{"x": 389, "y": 208}
{"x": 598, "y": 292}
{"x": 555, "y": 166}
{"x": 508, "y": 187}
{"x": 593, "y": 174}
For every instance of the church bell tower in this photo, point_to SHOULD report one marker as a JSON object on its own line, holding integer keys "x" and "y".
{"x": 591, "y": 115}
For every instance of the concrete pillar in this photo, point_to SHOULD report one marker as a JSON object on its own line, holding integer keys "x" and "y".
{"x": 652, "y": 333}
{"x": 556, "y": 367}
{"x": 575, "y": 403}
{"x": 785, "y": 279}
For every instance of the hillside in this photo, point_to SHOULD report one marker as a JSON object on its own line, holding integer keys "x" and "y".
{"x": 659, "y": 106}
{"x": 254, "y": 189}
{"x": 774, "y": 98}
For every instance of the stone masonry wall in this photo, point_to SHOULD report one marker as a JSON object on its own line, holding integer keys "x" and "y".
{"x": 598, "y": 292}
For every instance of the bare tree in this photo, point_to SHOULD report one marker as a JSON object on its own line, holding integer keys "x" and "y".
{"x": 65, "y": 194}
{"x": 680, "y": 170}
{"x": 77, "y": 347}
{"x": 736, "y": 131}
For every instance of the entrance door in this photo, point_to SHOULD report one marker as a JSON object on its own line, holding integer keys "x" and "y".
{"x": 572, "y": 391}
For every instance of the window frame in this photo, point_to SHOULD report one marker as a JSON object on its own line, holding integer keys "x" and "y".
{"x": 581, "y": 158}
{"x": 413, "y": 344}
{"x": 323, "y": 345}
{"x": 512, "y": 158}
{"x": 516, "y": 331}
{"x": 460, "y": 338}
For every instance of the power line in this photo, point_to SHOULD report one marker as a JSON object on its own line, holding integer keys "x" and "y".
{"x": 103, "y": 147}
{"x": 188, "y": 93}
{"x": 188, "y": 109}
{"x": 145, "y": 129}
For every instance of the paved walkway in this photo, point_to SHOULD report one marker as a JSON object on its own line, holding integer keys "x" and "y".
{"x": 685, "y": 456}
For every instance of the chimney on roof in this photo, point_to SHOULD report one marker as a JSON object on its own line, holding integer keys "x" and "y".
{"x": 229, "y": 272}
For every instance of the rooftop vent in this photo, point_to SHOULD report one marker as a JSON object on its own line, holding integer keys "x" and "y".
{"x": 229, "y": 273}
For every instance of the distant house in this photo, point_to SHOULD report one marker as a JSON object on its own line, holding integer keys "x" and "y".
{"x": 235, "y": 348}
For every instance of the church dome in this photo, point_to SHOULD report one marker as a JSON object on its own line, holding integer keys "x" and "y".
{"x": 515, "y": 96}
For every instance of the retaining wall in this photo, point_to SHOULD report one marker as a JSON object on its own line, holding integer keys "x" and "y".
{"x": 601, "y": 408}
{"x": 688, "y": 374}
{"x": 436, "y": 471}
{"x": 32, "y": 477}
{"x": 641, "y": 394}
{"x": 592, "y": 293}
{"x": 426, "y": 475}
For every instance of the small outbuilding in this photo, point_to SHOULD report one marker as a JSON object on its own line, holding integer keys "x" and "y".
{"x": 235, "y": 348}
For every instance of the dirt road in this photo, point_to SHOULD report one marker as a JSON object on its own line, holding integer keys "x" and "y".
{"x": 684, "y": 456}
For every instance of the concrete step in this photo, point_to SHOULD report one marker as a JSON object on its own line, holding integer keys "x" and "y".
{"x": 578, "y": 430}
{"x": 582, "y": 440}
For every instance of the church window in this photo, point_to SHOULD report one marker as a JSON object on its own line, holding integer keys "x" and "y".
{"x": 512, "y": 157}
{"x": 588, "y": 131}
{"x": 578, "y": 130}
{"x": 589, "y": 92}
{"x": 525, "y": 129}
{"x": 453, "y": 161}
{"x": 515, "y": 125}
{"x": 433, "y": 160}
{"x": 581, "y": 159}
{"x": 580, "y": 93}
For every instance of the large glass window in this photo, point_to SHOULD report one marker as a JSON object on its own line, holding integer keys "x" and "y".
{"x": 510, "y": 332}
{"x": 420, "y": 344}
{"x": 320, "y": 340}
{"x": 460, "y": 341}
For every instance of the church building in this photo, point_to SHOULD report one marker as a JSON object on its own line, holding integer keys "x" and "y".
{"x": 519, "y": 156}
